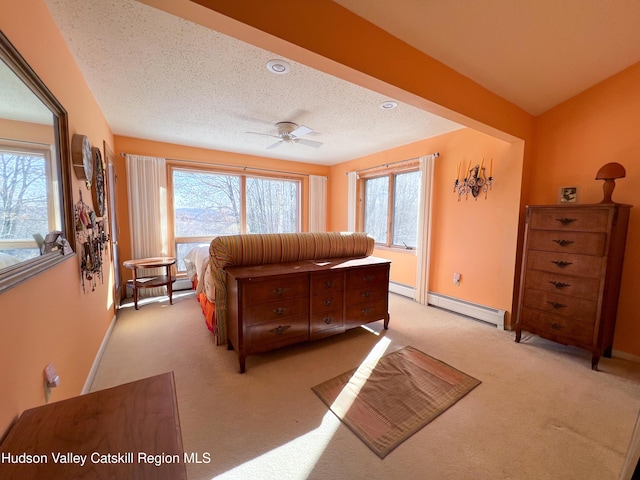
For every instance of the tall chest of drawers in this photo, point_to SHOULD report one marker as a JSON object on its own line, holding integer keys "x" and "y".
{"x": 571, "y": 270}
{"x": 271, "y": 306}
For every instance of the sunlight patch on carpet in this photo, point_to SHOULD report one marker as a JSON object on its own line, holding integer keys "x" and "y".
{"x": 297, "y": 459}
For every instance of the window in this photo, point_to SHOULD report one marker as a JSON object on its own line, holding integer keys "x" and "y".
{"x": 390, "y": 207}
{"x": 207, "y": 204}
{"x": 28, "y": 206}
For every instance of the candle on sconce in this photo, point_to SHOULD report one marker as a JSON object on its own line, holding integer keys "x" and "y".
{"x": 481, "y": 165}
{"x": 491, "y": 168}
{"x": 468, "y": 168}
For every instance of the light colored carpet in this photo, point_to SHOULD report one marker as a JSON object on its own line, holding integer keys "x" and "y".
{"x": 540, "y": 413}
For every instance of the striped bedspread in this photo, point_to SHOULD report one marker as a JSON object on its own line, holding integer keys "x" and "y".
{"x": 261, "y": 249}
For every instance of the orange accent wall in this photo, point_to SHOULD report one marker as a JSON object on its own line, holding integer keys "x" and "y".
{"x": 476, "y": 238}
{"x": 48, "y": 318}
{"x": 573, "y": 141}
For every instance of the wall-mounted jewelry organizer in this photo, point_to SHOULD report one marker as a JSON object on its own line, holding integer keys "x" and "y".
{"x": 92, "y": 238}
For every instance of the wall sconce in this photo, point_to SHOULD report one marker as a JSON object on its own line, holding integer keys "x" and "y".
{"x": 474, "y": 182}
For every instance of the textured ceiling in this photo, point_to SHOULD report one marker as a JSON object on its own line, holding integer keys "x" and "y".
{"x": 160, "y": 77}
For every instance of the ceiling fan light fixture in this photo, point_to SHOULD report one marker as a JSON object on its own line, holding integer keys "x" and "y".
{"x": 279, "y": 67}
{"x": 388, "y": 105}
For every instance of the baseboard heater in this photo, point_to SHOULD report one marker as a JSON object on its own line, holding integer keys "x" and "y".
{"x": 473, "y": 310}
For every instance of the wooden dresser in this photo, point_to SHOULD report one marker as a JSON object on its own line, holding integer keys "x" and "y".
{"x": 571, "y": 269}
{"x": 129, "y": 431}
{"x": 270, "y": 306}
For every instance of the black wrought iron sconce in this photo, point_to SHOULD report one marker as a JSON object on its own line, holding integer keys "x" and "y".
{"x": 475, "y": 181}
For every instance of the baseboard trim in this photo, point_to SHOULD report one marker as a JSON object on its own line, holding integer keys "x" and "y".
{"x": 96, "y": 361}
{"x": 480, "y": 312}
{"x": 625, "y": 356}
{"x": 404, "y": 290}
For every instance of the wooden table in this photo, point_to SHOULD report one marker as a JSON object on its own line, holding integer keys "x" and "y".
{"x": 151, "y": 281}
{"x": 116, "y": 432}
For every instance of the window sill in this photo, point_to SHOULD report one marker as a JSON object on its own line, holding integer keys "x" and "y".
{"x": 408, "y": 251}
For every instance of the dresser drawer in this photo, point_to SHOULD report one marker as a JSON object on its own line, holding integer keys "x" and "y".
{"x": 582, "y": 220}
{"x": 328, "y": 301}
{"x": 365, "y": 277}
{"x": 269, "y": 290}
{"x": 326, "y": 320}
{"x": 329, "y": 282}
{"x": 581, "y": 309}
{"x": 582, "y": 287}
{"x": 367, "y": 294}
{"x": 584, "y": 243}
{"x": 365, "y": 312}
{"x": 280, "y": 309}
{"x": 554, "y": 326}
{"x": 283, "y": 332}
{"x": 582, "y": 265}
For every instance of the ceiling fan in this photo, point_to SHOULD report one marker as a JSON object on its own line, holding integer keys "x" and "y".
{"x": 289, "y": 132}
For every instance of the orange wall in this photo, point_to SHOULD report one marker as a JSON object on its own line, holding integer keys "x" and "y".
{"x": 27, "y": 132}
{"x": 573, "y": 141}
{"x": 474, "y": 238}
{"x": 48, "y": 318}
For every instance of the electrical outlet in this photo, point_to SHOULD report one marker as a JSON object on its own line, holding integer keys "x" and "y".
{"x": 456, "y": 279}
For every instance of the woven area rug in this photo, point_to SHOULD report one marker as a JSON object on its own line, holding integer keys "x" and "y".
{"x": 386, "y": 402}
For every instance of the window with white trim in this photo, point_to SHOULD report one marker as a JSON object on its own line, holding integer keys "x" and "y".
{"x": 208, "y": 203}
{"x": 389, "y": 211}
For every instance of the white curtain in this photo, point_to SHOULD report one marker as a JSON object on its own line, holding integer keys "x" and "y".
{"x": 317, "y": 203}
{"x": 147, "y": 187}
{"x": 424, "y": 229}
{"x": 351, "y": 201}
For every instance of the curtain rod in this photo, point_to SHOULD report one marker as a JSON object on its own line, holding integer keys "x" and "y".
{"x": 240, "y": 167}
{"x": 435, "y": 154}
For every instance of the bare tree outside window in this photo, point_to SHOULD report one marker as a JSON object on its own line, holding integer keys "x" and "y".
{"x": 24, "y": 208}
{"x": 402, "y": 189}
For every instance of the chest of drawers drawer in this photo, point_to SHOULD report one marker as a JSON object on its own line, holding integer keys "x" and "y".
{"x": 581, "y": 309}
{"x": 256, "y": 313}
{"x": 583, "y": 243}
{"x": 271, "y": 290}
{"x": 365, "y": 278}
{"x": 557, "y": 327}
{"x": 581, "y": 287}
{"x": 281, "y": 332}
{"x": 570, "y": 219}
{"x": 327, "y": 282}
{"x": 583, "y": 265}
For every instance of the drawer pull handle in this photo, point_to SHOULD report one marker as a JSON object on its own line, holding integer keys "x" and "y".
{"x": 366, "y": 293}
{"x": 328, "y": 319}
{"x": 328, "y": 302}
{"x": 279, "y": 310}
{"x": 564, "y": 243}
{"x": 280, "y": 329}
{"x": 328, "y": 284}
{"x": 557, "y": 305}
{"x": 560, "y": 284}
{"x": 279, "y": 290}
{"x": 561, "y": 263}
{"x": 556, "y": 326}
{"x": 366, "y": 310}
{"x": 566, "y": 221}
{"x": 368, "y": 278}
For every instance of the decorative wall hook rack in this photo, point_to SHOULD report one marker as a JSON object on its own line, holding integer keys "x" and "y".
{"x": 474, "y": 182}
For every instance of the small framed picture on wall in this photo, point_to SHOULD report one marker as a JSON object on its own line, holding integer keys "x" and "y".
{"x": 568, "y": 194}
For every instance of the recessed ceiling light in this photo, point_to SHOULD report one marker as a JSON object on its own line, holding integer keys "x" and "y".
{"x": 388, "y": 105}
{"x": 279, "y": 67}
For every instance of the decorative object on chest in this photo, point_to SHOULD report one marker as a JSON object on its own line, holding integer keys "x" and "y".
{"x": 571, "y": 271}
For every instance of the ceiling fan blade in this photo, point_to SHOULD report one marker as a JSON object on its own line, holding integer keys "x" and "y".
{"x": 274, "y": 145}
{"x": 308, "y": 143}
{"x": 263, "y": 134}
{"x": 301, "y": 130}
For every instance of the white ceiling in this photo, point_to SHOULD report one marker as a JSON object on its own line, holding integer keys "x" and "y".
{"x": 160, "y": 77}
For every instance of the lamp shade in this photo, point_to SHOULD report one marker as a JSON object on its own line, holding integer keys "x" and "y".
{"x": 611, "y": 170}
